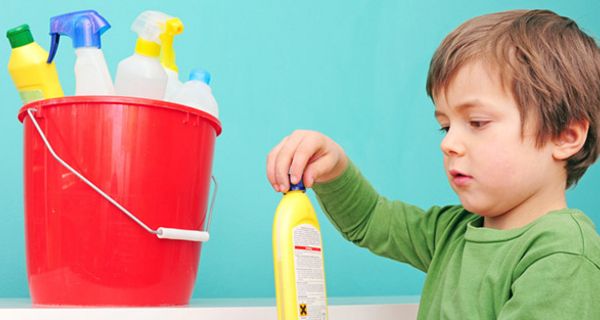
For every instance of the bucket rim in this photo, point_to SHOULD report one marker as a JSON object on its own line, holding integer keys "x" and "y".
{"x": 144, "y": 102}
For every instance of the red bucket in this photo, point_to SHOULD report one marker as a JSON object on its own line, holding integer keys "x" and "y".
{"x": 153, "y": 160}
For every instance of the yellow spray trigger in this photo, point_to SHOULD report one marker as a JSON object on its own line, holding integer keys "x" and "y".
{"x": 173, "y": 27}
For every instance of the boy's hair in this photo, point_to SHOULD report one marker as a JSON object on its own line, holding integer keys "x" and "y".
{"x": 548, "y": 64}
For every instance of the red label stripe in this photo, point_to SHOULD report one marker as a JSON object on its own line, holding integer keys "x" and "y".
{"x": 307, "y": 248}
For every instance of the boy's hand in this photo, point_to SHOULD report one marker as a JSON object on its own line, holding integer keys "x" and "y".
{"x": 305, "y": 154}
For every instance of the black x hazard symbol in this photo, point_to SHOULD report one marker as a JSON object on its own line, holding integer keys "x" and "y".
{"x": 303, "y": 311}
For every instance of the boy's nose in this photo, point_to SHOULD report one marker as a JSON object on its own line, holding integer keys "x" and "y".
{"x": 451, "y": 144}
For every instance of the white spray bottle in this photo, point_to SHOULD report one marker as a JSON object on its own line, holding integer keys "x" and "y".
{"x": 84, "y": 28}
{"x": 141, "y": 74}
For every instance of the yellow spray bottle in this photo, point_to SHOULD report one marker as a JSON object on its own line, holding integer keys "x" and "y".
{"x": 172, "y": 27}
{"x": 298, "y": 259}
{"x": 34, "y": 78}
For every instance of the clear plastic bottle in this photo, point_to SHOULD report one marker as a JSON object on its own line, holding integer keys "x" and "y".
{"x": 141, "y": 74}
{"x": 85, "y": 29}
{"x": 197, "y": 93}
{"x": 34, "y": 78}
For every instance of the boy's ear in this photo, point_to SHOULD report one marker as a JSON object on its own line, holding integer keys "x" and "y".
{"x": 571, "y": 140}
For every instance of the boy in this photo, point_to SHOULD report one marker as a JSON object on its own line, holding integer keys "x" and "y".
{"x": 518, "y": 95}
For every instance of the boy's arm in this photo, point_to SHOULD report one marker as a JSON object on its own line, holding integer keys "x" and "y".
{"x": 559, "y": 286}
{"x": 388, "y": 228}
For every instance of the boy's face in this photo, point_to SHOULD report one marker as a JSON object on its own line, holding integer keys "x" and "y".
{"x": 493, "y": 165}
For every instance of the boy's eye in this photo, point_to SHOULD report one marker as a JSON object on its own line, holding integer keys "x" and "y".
{"x": 444, "y": 129}
{"x": 478, "y": 124}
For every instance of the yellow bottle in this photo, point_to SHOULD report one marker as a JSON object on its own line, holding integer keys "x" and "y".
{"x": 298, "y": 259}
{"x": 34, "y": 78}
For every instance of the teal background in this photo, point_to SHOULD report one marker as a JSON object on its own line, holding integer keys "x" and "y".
{"x": 354, "y": 70}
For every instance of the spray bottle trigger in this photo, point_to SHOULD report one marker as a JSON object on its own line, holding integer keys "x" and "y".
{"x": 53, "y": 47}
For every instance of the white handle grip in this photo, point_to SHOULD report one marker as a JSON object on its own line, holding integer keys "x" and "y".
{"x": 181, "y": 234}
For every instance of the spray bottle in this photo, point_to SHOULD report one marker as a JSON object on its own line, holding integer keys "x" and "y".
{"x": 34, "y": 78}
{"x": 298, "y": 258}
{"x": 84, "y": 28}
{"x": 173, "y": 27}
{"x": 197, "y": 93}
{"x": 142, "y": 75}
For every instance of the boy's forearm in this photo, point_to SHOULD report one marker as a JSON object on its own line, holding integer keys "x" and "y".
{"x": 347, "y": 201}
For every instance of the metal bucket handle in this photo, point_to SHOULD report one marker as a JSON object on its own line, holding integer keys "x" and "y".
{"x": 161, "y": 232}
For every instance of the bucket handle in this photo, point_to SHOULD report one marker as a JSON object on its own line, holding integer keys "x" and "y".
{"x": 161, "y": 232}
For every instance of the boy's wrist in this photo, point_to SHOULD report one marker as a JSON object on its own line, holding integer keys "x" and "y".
{"x": 337, "y": 171}
{"x": 348, "y": 171}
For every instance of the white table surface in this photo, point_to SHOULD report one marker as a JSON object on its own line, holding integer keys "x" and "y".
{"x": 354, "y": 308}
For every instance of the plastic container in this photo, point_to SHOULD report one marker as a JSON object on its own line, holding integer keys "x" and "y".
{"x": 34, "y": 78}
{"x": 197, "y": 93}
{"x": 298, "y": 258}
{"x": 155, "y": 159}
{"x": 142, "y": 74}
{"x": 85, "y": 29}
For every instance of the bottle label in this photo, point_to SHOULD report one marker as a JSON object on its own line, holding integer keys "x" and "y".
{"x": 310, "y": 276}
{"x": 31, "y": 95}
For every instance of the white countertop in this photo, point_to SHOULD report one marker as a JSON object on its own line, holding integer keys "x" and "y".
{"x": 351, "y": 308}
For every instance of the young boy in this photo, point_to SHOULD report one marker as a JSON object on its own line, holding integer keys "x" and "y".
{"x": 518, "y": 95}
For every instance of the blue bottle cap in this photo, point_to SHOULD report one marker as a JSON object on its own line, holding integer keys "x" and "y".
{"x": 297, "y": 186}
{"x": 200, "y": 75}
{"x": 83, "y": 27}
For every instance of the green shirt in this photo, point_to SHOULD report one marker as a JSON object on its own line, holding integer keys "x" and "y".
{"x": 548, "y": 269}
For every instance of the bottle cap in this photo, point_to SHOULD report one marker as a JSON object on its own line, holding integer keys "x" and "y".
{"x": 200, "y": 75}
{"x": 147, "y": 48}
{"x": 19, "y": 36}
{"x": 297, "y": 186}
{"x": 84, "y": 27}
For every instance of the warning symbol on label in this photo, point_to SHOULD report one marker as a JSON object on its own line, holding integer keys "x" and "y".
{"x": 303, "y": 311}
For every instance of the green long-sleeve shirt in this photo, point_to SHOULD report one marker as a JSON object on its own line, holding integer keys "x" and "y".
{"x": 548, "y": 269}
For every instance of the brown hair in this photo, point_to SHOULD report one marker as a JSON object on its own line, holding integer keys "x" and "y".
{"x": 550, "y": 66}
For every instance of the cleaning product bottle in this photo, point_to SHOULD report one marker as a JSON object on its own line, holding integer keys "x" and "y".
{"x": 196, "y": 93}
{"x": 34, "y": 78}
{"x": 173, "y": 27}
{"x": 84, "y": 28}
{"x": 298, "y": 258}
{"x": 142, "y": 75}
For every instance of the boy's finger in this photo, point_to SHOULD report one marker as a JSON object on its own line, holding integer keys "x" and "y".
{"x": 306, "y": 150}
{"x": 284, "y": 159}
{"x": 315, "y": 169}
{"x": 271, "y": 164}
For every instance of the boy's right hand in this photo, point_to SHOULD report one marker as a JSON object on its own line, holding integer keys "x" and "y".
{"x": 305, "y": 154}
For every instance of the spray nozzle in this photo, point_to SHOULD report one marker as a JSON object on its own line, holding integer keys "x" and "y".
{"x": 84, "y": 27}
{"x": 149, "y": 26}
{"x": 173, "y": 27}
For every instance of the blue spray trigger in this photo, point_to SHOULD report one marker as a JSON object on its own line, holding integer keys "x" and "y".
{"x": 53, "y": 46}
{"x": 83, "y": 27}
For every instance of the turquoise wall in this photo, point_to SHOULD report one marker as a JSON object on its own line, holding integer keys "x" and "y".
{"x": 354, "y": 70}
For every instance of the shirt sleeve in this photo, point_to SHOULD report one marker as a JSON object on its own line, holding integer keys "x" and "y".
{"x": 559, "y": 286}
{"x": 392, "y": 229}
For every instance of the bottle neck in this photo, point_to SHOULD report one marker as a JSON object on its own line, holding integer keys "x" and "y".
{"x": 295, "y": 191}
{"x": 147, "y": 48}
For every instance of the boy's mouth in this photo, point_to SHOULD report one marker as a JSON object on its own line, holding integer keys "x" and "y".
{"x": 460, "y": 178}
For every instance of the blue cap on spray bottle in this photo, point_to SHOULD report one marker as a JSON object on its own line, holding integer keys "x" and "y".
{"x": 84, "y": 27}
